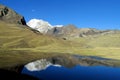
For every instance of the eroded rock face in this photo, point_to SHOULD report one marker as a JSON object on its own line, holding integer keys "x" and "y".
{"x": 10, "y": 16}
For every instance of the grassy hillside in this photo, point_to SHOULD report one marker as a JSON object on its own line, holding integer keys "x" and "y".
{"x": 18, "y": 45}
{"x": 111, "y": 40}
{"x": 17, "y": 36}
{"x": 104, "y": 45}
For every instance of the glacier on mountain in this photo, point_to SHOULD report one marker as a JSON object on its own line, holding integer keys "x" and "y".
{"x": 41, "y": 25}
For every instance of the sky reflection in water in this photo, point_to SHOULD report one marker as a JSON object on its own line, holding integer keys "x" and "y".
{"x": 77, "y": 73}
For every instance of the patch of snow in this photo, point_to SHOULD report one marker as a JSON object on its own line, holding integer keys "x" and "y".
{"x": 58, "y": 26}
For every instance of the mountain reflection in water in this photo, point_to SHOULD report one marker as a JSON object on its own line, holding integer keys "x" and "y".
{"x": 76, "y": 73}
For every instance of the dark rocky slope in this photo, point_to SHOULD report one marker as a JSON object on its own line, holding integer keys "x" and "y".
{"x": 10, "y": 16}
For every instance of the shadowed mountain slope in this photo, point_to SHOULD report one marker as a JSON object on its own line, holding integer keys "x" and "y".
{"x": 10, "y": 16}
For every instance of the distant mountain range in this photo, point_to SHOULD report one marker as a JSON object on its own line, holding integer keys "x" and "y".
{"x": 69, "y": 31}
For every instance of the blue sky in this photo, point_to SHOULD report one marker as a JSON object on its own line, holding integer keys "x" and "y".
{"x": 100, "y": 14}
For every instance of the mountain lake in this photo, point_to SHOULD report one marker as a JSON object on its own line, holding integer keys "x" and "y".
{"x": 76, "y": 73}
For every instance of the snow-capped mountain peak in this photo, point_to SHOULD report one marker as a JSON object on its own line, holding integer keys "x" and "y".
{"x": 40, "y": 25}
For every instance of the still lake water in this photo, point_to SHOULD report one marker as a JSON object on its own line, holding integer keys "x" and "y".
{"x": 76, "y": 73}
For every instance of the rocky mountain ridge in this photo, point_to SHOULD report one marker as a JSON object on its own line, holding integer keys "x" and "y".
{"x": 69, "y": 31}
{"x": 10, "y": 16}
